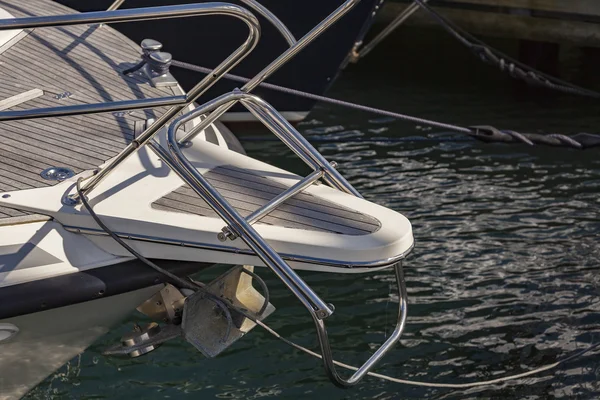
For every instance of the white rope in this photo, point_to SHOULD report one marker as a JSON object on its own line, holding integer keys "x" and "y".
{"x": 431, "y": 384}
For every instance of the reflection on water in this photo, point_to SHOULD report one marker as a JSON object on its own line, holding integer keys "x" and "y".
{"x": 505, "y": 275}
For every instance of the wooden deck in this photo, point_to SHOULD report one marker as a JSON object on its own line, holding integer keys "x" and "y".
{"x": 247, "y": 191}
{"x": 84, "y": 64}
{"x": 72, "y": 65}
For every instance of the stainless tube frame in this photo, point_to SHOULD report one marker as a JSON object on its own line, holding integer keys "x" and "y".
{"x": 328, "y": 360}
{"x": 275, "y": 65}
{"x": 275, "y": 202}
{"x": 115, "y": 5}
{"x": 130, "y": 15}
{"x": 238, "y": 226}
{"x": 253, "y": 4}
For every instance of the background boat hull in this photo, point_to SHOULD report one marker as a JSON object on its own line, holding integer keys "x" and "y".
{"x": 557, "y": 21}
{"x": 207, "y": 41}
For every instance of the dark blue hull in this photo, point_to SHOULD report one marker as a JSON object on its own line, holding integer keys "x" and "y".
{"x": 208, "y": 40}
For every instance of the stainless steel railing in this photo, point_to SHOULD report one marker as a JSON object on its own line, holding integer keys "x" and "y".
{"x": 240, "y": 227}
{"x": 178, "y": 103}
{"x": 275, "y": 65}
{"x": 253, "y": 4}
{"x": 237, "y": 225}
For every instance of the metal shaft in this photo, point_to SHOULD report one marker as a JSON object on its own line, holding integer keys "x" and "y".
{"x": 285, "y": 195}
{"x": 297, "y": 142}
{"x": 256, "y": 6}
{"x": 276, "y": 64}
{"x": 115, "y": 5}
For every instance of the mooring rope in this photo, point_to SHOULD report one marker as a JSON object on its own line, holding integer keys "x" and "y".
{"x": 324, "y": 99}
{"x": 465, "y": 385}
{"x": 505, "y": 63}
{"x": 225, "y": 305}
{"x": 483, "y": 133}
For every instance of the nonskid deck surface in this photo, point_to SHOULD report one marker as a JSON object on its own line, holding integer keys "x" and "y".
{"x": 70, "y": 65}
{"x": 247, "y": 191}
{"x": 84, "y": 64}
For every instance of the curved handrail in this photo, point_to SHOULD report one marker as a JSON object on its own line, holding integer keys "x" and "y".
{"x": 139, "y": 14}
{"x": 184, "y": 168}
{"x": 272, "y": 18}
{"x": 328, "y": 360}
{"x": 241, "y": 227}
{"x": 131, "y": 15}
{"x": 256, "y": 6}
{"x": 276, "y": 64}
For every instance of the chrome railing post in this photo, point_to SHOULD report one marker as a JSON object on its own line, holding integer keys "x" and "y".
{"x": 238, "y": 226}
{"x": 289, "y": 135}
{"x": 193, "y": 94}
{"x": 115, "y": 5}
{"x": 275, "y": 65}
{"x": 130, "y": 15}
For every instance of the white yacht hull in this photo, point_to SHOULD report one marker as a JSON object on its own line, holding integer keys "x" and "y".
{"x": 40, "y": 265}
{"x": 48, "y": 339}
{"x": 67, "y": 266}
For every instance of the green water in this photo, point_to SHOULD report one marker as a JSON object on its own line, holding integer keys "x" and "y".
{"x": 504, "y": 276}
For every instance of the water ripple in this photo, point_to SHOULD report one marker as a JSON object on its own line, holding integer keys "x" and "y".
{"x": 505, "y": 275}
